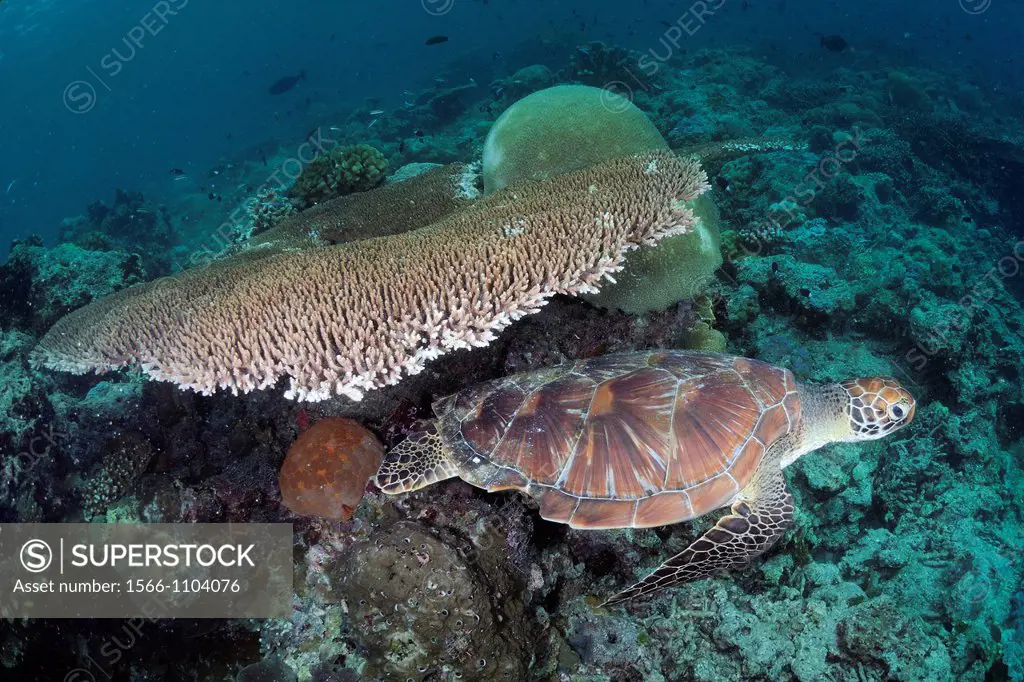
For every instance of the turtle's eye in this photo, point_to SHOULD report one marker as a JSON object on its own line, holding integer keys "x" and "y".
{"x": 897, "y": 412}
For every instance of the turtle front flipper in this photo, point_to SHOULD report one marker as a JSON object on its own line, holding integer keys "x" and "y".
{"x": 416, "y": 462}
{"x": 758, "y": 519}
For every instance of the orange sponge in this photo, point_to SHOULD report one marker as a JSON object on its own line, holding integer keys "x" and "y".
{"x": 327, "y": 468}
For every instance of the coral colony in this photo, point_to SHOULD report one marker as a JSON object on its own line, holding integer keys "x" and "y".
{"x": 514, "y": 359}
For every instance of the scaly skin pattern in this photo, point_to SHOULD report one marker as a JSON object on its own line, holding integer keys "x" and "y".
{"x": 756, "y": 521}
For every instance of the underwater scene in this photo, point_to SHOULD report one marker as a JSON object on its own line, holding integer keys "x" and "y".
{"x": 512, "y": 340}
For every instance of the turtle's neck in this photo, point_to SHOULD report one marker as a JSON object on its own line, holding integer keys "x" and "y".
{"x": 825, "y": 419}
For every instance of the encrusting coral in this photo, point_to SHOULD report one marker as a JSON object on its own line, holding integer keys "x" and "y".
{"x": 422, "y": 600}
{"x": 350, "y": 318}
{"x": 127, "y": 456}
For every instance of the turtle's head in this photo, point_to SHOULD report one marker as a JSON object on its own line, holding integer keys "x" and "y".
{"x": 877, "y": 406}
{"x": 850, "y": 412}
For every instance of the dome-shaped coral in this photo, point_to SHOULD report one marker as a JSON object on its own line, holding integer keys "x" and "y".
{"x": 562, "y": 129}
{"x": 426, "y": 604}
{"x": 569, "y": 127}
{"x": 679, "y": 269}
{"x": 327, "y": 468}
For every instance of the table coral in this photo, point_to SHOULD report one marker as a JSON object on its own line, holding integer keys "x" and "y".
{"x": 350, "y": 318}
{"x": 392, "y": 208}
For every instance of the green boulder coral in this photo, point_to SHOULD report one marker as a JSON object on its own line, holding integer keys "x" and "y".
{"x": 569, "y": 127}
{"x": 343, "y": 170}
{"x": 679, "y": 269}
{"x": 562, "y": 129}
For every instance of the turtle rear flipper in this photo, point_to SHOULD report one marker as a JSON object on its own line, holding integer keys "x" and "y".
{"x": 757, "y": 521}
{"x": 416, "y": 462}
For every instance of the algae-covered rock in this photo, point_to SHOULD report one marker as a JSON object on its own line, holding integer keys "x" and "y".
{"x": 43, "y": 284}
{"x": 905, "y": 92}
{"x": 342, "y": 171}
{"x": 19, "y": 412}
{"x": 809, "y": 289}
{"x": 424, "y": 603}
{"x": 267, "y": 670}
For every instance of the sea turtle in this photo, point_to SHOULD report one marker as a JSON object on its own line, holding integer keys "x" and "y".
{"x": 646, "y": 439}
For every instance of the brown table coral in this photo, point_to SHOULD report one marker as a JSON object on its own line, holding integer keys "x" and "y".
{"x": 350, "y": 318}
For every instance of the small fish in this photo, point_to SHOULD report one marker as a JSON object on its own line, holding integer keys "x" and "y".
{"x": 834, "y": 43}
{"x": 285, "y": 84}
{"x": 401, "y": 147}
{"x": 418, "y": 133}
{"x": 8, "y": 190}
{"x": 210, "y": 196}
{"x": 436, "y": 40}
{"x": 177, "y": 171}
{"x": 376, "y": 112}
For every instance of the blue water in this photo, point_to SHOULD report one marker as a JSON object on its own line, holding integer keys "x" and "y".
{"x": 195, "y": 92}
